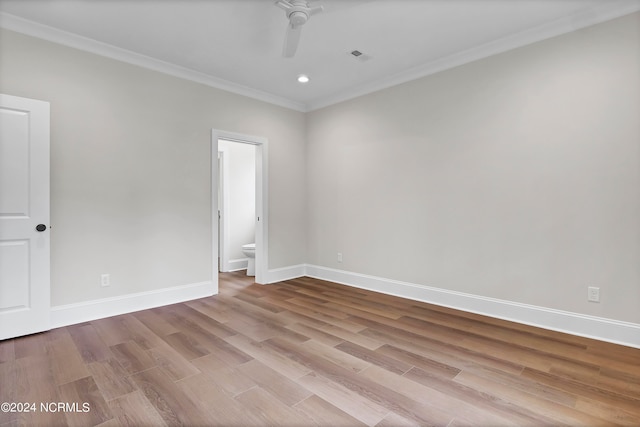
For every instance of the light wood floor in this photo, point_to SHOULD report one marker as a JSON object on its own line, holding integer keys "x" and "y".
{"x": 308, "y": 352}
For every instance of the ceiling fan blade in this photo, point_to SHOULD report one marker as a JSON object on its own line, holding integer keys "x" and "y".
{"x": 284, "y": 5}
{"x": 291, "y": 40}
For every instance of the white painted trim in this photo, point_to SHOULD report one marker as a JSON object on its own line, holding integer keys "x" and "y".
{"x": 599, "y": 328}
{"x": 262, "y": 198}
{"x": 604, "y": 11}
{"x": 286, "y": 273}
{"x": 223, "y": 208}
{"x": 237, "y": 264}
{"x": 34, "y": 29}
{"x": 609, "y": 330}
{"x": 71, "y": 314}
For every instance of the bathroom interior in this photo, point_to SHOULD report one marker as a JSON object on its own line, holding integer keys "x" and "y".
{"x": 237, "y": 206}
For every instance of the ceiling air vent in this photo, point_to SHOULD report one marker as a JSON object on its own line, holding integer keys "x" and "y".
{"x": 359, "y": 55}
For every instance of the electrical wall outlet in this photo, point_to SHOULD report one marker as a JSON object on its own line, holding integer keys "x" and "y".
{"x": 593, "y": 294}
{"x": 339, "y": 256}
{"x": 105, "y": 280}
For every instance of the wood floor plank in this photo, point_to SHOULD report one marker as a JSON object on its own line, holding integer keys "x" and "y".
{"x": 111, "y": 378}
{"x": 389, "y": 363}
{"x": 209, "y": 363}
{"x": 519, "y": 382}
{"x": 8, "y": 388}
{"x": 203, "y": 340}
{"x": 186, "y": 346}
{"x": 203, "y": 306}
{"x": 306, "y": 352}
{"x": 36, "y": 383}
{"x": 388, "y": 398}
{"x": 112, "y": 330}
{"x": 153, "y": 320}
{"x": 355, "y": 405}
{"x": 167, "y": 398}
{"x": 30, "y": 345}
{"x": 358, "y": 338}
{"x": 440, "y": 346}
{"x": 249, "y": 299}
{"x": 325, "y": 414}
{"x": 220, "y": 408}
{"x": 607, "y": 411}
{"x": 437, "y": 368}
{"x": 479, "y": 398}
{"x": 132, "y": 357}
{"x": 275, "y": 360}
{"x": 88, "y": 343}
{"x": 623, "y": 382}
{"x": 207, "y": 323}
{"x": 318, "y": 307}
{"x": 394, "y": 420}
{"x": 454, "y": 355}
{"x": 7, "y": 351}
{"x": 231, "y": 380}
{"x": 315, "y": 334}
{"x": 270, "y": 410}
{"x": 349, "y": 305}
{"x": 84, "y": 403}
{"x": 67, "y": 364}
{"x": 138, "y": 332}
{"x": 287, "y": 391}
{"x": 172, "y": 362}
{"x": 133, "y": 410}
{"x": 557, "y": 412}
{"x": 326, "y": 319}
{"x": 631, "y": 404}
{"x": 341, "y": 358}
{"x": 258, "y": 331}
{"x": 431, "y": 397}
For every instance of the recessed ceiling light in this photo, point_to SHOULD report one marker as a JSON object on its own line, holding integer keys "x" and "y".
{"x": 302, "y": 78}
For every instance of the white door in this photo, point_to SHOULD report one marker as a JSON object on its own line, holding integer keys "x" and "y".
{"x": 24, "y": 216}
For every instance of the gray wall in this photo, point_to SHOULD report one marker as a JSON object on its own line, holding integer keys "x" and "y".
{"x": 130, "y": 169}
{"x": 515, "y": 177}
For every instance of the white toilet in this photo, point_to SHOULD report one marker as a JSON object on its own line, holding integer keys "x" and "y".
{"x": 250, "y": 251}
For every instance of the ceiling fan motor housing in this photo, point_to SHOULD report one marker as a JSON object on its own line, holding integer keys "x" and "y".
{"x": 298, "y": 17}
{"x": 298, "y": 13}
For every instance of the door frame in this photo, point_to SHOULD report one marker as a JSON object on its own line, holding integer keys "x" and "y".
{"x": 223, "y": 202}
{"x": 262, "y": 211}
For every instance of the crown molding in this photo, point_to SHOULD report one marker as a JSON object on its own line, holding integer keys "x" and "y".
{"x": 601, "y": 13}
{"x": 45, "y": 32}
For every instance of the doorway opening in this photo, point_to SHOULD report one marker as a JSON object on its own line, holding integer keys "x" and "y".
{"x": 220, "y": 165}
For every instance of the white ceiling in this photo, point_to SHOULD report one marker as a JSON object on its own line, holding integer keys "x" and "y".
{"x": 237, "y": 44}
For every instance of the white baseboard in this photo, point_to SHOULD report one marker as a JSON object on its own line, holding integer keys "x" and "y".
{"x": 237, "y": 264}
{"x": 602, "y": 329}
{"x": 286, "y": 273}
{"x": 70, "y": 314}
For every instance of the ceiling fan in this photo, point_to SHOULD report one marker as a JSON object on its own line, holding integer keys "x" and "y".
{"x": 298, "y": 12}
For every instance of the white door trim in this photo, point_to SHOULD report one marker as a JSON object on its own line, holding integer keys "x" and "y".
{"x": 262, "y": 211}
{"x": 223, "y": 203}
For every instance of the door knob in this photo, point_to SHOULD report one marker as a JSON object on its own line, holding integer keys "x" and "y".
{"x": 41, "y": 227}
